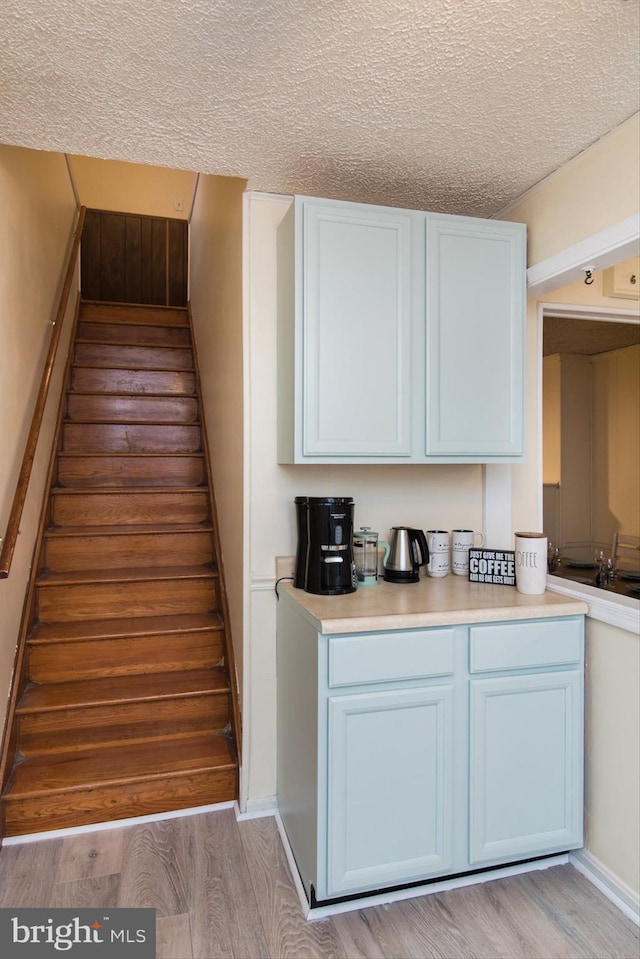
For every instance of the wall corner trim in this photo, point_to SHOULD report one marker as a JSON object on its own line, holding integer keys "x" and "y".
{"x": 598, "y": 251}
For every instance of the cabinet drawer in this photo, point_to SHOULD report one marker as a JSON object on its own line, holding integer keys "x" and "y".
{"x": 543, "y": 642}
{"x": 389, "y": 657}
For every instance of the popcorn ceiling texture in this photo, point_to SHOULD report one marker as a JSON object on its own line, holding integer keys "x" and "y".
{"x": 448, "y": 105}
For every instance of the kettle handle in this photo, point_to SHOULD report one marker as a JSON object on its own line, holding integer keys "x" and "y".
{"x": 417, "y": 536}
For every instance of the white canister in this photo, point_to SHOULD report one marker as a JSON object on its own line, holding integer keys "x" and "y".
{"x": 438, "y": 543}
{"x": 461, "y": 542}
{"x": 531, "y": 563}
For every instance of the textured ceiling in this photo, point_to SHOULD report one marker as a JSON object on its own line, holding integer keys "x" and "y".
{"x": 568, "y": 335}
{"x": 449, "y": 105}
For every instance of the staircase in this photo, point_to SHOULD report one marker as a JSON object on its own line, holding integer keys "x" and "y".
{"x": 127, "y": 708}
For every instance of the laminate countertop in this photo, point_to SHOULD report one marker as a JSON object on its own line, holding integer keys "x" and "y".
{"x": 448, "y": 601}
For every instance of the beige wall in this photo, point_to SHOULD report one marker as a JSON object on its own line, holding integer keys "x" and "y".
{"x": 132, "y": 187}
{"x": 38, "y": 213}
{"x": 551, "y": 420}
{"x": 616, "y": 443}
{"x": 612, "y": 768}
{"x": 424, "y": 496}
{"x": 216, "y": 303}
{"x": 596, "y": 191}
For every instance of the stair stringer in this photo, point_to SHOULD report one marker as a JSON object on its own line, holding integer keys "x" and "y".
{"x": 230, "y": 661}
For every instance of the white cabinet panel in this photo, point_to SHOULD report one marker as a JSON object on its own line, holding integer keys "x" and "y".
{"x": 356, "y": 288}
{"x": 390, "y": 354}
{"x": 525, "y": 785}
{"x": 390, "y": 787}
{"x": 475, "y": 337}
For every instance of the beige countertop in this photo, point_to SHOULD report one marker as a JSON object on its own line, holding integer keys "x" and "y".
{"x": 447, "y": 601}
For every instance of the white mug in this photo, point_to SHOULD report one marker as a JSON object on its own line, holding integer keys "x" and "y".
{"x": 461, "y": 542}
{"x": 438, "y": 543}
{"x": 531, "y": 563}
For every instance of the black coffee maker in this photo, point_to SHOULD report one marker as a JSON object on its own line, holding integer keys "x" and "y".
{"x": 324, "y": 556}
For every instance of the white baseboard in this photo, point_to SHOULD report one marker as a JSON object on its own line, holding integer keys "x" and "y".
{"x": 257, "y": 809}
{"x": 609, "y": 885}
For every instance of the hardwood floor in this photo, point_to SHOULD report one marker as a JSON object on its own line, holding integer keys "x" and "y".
{"x": 223, "y": 889}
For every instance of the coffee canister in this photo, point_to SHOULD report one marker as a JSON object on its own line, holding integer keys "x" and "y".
{"x": 531, "y": 563}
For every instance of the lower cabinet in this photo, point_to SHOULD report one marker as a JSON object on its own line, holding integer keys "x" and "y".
{"x": 525, "y": 793}
{"x": 382, "y": 745}
{"x": 468, "y": 755}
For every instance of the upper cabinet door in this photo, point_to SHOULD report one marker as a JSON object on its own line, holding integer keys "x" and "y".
{"x": 476, "y": 308}
{"x": 353, "y": 318}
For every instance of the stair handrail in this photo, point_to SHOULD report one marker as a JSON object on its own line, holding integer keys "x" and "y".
{"x": 15, "y": 515}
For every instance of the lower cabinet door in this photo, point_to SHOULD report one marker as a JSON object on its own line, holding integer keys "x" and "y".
{"x": 526, "y": 766}
{"x": 390, "y": 786}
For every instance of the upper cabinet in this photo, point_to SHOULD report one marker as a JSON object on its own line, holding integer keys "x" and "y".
{"x": 400, "y": 336}
{"x": 475, "y": 321}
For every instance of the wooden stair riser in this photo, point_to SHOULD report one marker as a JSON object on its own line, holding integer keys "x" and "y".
{"x": 134, "y": 334}
{"x": 130, "y": 438}
{"x": 82, "y": 728}
{"x": 116, "y": 313}
{"x": 86, "y": 379}
{"x": 122, "y": 550}
{"x": 128, "y": 508}
{"x": 133, "y": 357}
{"x": 59, "y": 662}
{"x": 85, "y": 470}
{"x": 96, "y": 600}
{"x": 106, "y": 803}
{"x": 113, "y": 408}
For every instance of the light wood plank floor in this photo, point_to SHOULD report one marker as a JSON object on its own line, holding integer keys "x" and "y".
{"x": 223, "y": 889}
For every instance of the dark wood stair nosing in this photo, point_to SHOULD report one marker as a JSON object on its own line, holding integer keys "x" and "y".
{"x": 122, "y": 780}
{"x": 203, "y": 682}
{"x": 114, "y": 421}
{"x": 131, "y": 627}
{"x": 133, "y": 574}
{"x": 121, "y": 529}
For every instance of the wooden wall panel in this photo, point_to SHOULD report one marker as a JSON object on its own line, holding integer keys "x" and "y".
{"x": 134, "y": 259}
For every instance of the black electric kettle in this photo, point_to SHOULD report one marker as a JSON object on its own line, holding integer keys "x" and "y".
{"x": 408, "y": 551}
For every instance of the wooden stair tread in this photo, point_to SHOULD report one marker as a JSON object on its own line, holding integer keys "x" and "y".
{"x": 114, "y": 421}
{"x": 148, "y": 529}
{"x": 135, "y": 762}
{"x": 97, "y": 311}
{"x": 132, "y": 626}
{"x": 149, "y": 687}
{"x": 131, "y": 394}
{"x": 127, "y": 368}
{"x": 133, "y": 574}
{"x": 109, "y": 454}
{"x": 124, "y": 491}
{"x": 150, "y": 343}
{"x": 175, "y": 390}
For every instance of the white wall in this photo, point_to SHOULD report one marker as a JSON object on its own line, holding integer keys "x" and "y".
{"x": 38, "y": 212}
{"x": 444, "y": 497}
{"x": 215, "y": 252}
